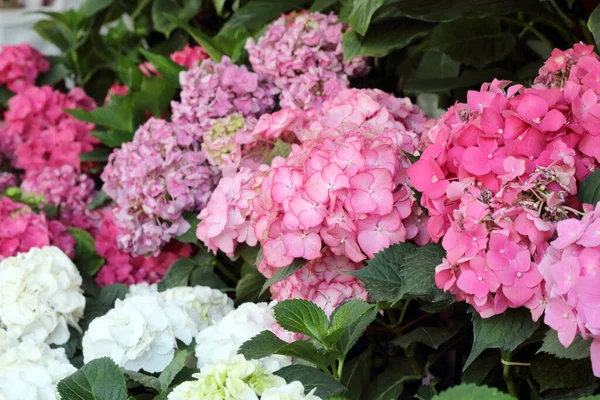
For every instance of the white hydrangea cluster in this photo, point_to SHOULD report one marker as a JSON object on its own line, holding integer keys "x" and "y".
{"x": 141, "y": 331}
{"x": 30, "y": 370}
{"x": 41, "y": 295}
{"x": 238, "y": 379}
{"x": 221, "y": 341}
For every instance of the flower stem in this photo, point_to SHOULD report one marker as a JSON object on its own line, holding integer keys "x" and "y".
{"x": 510, "y": 384}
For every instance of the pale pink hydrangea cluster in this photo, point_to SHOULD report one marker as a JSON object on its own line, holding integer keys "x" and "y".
{"x": 571, "y": 271}
{"x": 302, "y": 54}
{"x": 216, "y": 90}
{"x": 153, "y": 180}
{"x": 190, "y": 56}
{"x": 121, "y": 267}
{"x": 21, "y": 229}
{"x": 39, "y": 133}
{"x": 496, "y": 175}
{"x": 19, "y": 67}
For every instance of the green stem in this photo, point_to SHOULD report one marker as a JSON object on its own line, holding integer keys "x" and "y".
{"x": 75, "y": 60}
{"x": 403, "y": 314}
{"x": 340, "y": 369}
{"x": 562, "y": 15}
{"x": 143, "y": 4}
{"x": 510, "y": 384}
{"x": 528, "y": 26}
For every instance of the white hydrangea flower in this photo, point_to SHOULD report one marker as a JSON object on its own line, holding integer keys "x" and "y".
{"x": 142, "y": 289}
{"x": 30, "y": 370}
{"x": 291, "y": 391}
{"x": 41, "y": 295}
{"x": 205, "y": 305}
{"x": 221, "y": 341}
{"x": 136, "y": 334}
{"x": 236, "y": 379}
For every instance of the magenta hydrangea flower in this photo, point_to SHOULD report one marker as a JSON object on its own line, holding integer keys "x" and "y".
{"x": 302, "y": 54}
{"x": 121, "y": 267}
{"x": 116, "y": 90}
{"x": 153, "y": 180}
{"x": 497, "y": 174}
{"x": 20, "y": 65}
{"x": 38, "y": 133}
{"x": 23, "y": 229}
{"x": 216, "y": 90}
{"x": 7, "y": 179}
{"x": 571, "y": 272}
{"x": 190, "y": 56}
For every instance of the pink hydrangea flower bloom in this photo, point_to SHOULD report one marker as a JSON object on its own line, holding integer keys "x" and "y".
{"x": 20, "y": 65}
{"x": 190, "y": 56}
{"x": 153, "y": 180}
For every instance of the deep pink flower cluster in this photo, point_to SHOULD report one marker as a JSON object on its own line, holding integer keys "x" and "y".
{"x": 302, "y": 54}
{"x": 571, "y": 271}
{"x": 116, "y": 90}
{"x": 216, "y": 90}
{"x": 21, "y": 229}
{"x": 497, "y": 174}
{"x": 40, "y": 134}
{"x": 153, "y": 180}
{"x": 190, "y": 56}
{"x": 20, "y": 66}
{"x": 124, "y": 268}
{"x": 7, "y": 179}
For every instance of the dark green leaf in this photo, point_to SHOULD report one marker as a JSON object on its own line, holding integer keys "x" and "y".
{"x": 113, "y": 138}
{"x": 477, "y": 42}
{"x": 56, "y": 73}
{"x": 480, "y": 369}
{"x": 383, "y": 38}
{"x": 249, "y": 287}
{"x": 356, "y": 373}
{"x": 353, "y": 332}
{"x": 100, "y": 379}
{"x": 553, "y": 373}
{"x": 168, "y": 69}
{"x": 248, "y": 254}
{"x": 505, "y": 331}
{"x": 56, "y": 33}
{"x": 346, "y": 315}
{"x": 311, "y": 378}
{"x": 178, "y": 274}
{"x": 429, "y": 336}
{"x": 232, "y": 42}
{"x": 204, "y": 275}
{"x": 219, "y": 4}
{"x": 260, "y": 346}
{"x": 129, "y": 73}
{"x": 98, "y": 306}
{"x": 190, "y": 236}
{"x": 116, "y": 115}
{"x": 578, "y": 350}
{"x": 589, "y": 191}
{"x": 472, "y": 392}
{"x": 381, "y": 276}
{"x": 302, "y": 316}
{"x": 390, "y": 383}
{"x": 200, "y": 37}
{"x": 448, "y": 10}
{"x": 256, "y": 13}
{"x": 283, "y": 273}
{"x": 466, "y": 79}
{"x": 5, "y": 95}
{"x": 99, "y": 154}
{"x": 362, "y": 11}
{"x": 181, "y": 10}
{"x": 168, "y": 374}
{"x": 594, "y": 24}
{"x": 436, "y": 65}
{"x": 147, "y": 381}
{"x": 154, "y": 96}
{"x": 320, "y": 5}
{"x": 86, "y": 257}
{"x": 305, "y": 350}
{"x": 91, "y": 7}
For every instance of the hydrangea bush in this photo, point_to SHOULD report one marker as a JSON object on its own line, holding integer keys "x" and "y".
{"x": 245, "y": 201}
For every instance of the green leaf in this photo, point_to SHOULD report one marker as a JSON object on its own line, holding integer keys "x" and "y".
{"x": 505, "y": 331}
{"x": 232, "y": 42}
{"x": 435, "y": 65}
{"x": 472, "y": 392}
{"x": 57, "y": 72}
{"x": 56, "y": 33}
{"x": 429, "y": 336}
{"x": 320, "y": 5}
{"x": 204, "y": 275}
{"x": 283, "y": 273}
{"x": 113, "y": 138}
{"x": 281, "y": 149}
{"x": 100, "y": 379}
{"x": 98, "y": 306}
{"x": 466, "y": 79}
{"x": 219, "y": 4}
{"x": 260, "y": 346}
{"x": 594, "y": 24}
{"x": 249, "y": 287}
{"x": 390, "y": 383}
{"x": 5, "y": 95}
{"x": 178, "y": 274}
{"x": 353, "y": 332}
{"x": 129, "y": 73}
{"x": 200, "y": 37}
{"x": 589, "y": 191}
{"x": 477, "y": 42}
{"x": 117, "y": 114}
{"x": 190, "y": 236}
{"x": 578, "y": 350}
{"x": 91, "y": 7}
{"x": 155, "y": 96}
{"x": 361, "y": 14}
{"x": 311, "y": 378}
{"x": 147, "y": 381}
{"x": 181, "y": 10}
{"x": 302, "y": 316}
{"x": 381, "y": 276}
{"x": 256, "y": 13}
{"x": 168, "y": 69}
{"x": 99, "y": 154}
{"x": 86, "y": 257}
{"x": 356, "y": 373}
{"x": 345, "y": 316}
{"x": 553, "y": 373}
{"x": 448, "y": 10}
{"x": 480, "y": 369}
{"x": 166, "y": 377}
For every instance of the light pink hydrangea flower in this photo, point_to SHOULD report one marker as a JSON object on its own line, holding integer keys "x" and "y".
{"x": 302, "y": 54}
{"x": 153, "y": 180}
{"x": 20, "y": 66}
